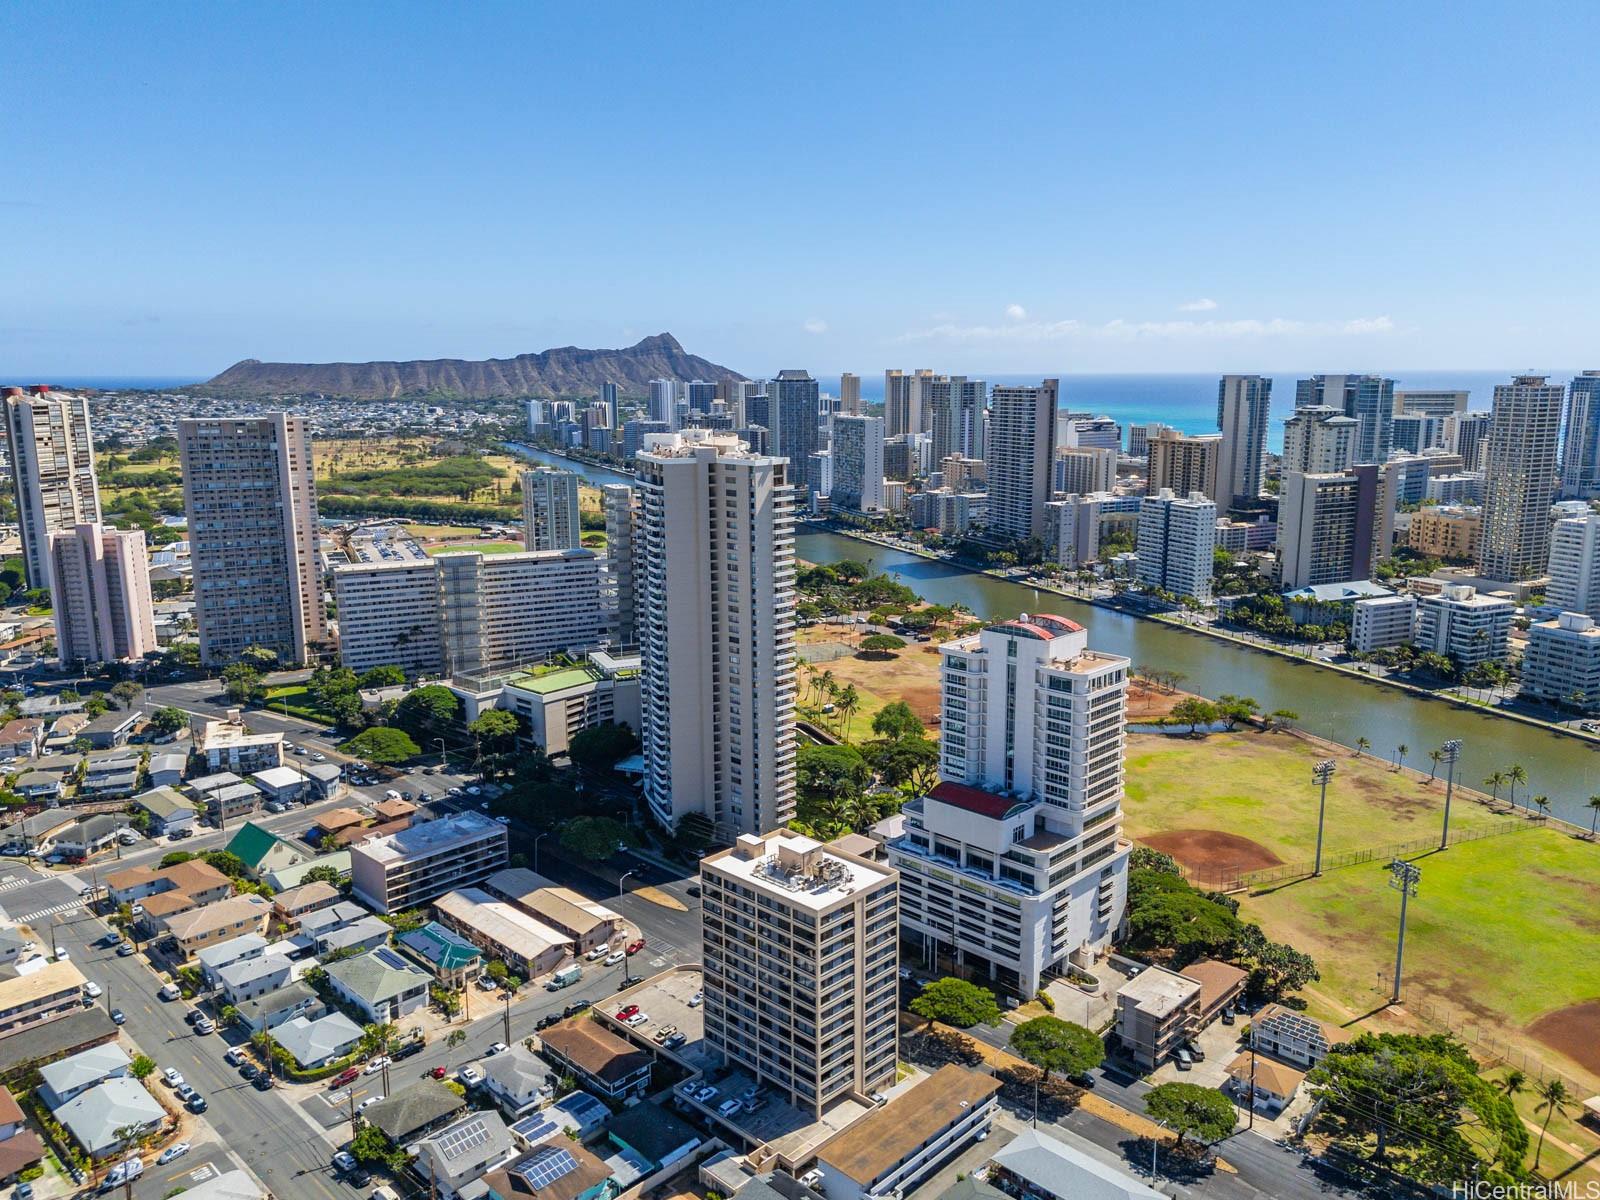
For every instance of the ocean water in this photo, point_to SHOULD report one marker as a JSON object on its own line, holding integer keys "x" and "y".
{"x": 1189, "y": 402}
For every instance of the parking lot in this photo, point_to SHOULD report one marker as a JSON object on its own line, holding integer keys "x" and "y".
{"x": 665, "y": 999}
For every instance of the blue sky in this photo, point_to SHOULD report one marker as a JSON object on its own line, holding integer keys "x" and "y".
{"x": 984, "y": 188}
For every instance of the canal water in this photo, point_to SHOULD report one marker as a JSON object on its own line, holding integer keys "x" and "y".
{"x": 1330, "y": 704}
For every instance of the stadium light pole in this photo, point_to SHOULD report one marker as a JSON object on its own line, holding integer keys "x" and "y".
{"x": 1403, "y": 878}
{"x": 1320, "y": 774}
{"x": 1451, "y": 751}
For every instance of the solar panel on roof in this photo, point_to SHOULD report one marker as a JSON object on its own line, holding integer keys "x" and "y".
{"x": 535, "y": 1129}
{"x": 456, "y": 1142}
{"x": 546, "y": 1166}
{"x": 389, "y": 958}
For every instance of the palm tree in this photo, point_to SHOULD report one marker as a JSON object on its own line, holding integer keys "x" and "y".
{"x": 1435, "y": 757}
{"x": 1594, "y": 808}
{"x": 849, "y": 701}
{"x": 1514, "y": 1082}
{"x": 1516, "y": 774}
{"x": 1362, "y": 744}
{"x": 1494, "y": 782}
{"x": 1400, "y": 753}
{"x": 860, "y": 812}
{"x": 1542, "y": 803}
{"x": 1553, "y": 1098}
{"x": 457, "y": 1038}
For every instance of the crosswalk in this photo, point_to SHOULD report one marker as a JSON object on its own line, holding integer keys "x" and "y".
{"x": 10, "y": 883}
{"x": 27, "y": 918}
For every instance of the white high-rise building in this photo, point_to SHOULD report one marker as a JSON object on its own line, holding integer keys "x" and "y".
{"x": 1562, "y": 662}
{"x": 550, "y": 510}
{"x": 1469, "y": 627}
{"x": 857, "y": 455}
{"x": 1021, "y": 455}
{"x": 1367, "y": 399}
{"x": 52, "y": 470}
{"x": 663, "y": 400}
{"x": 467, "y": 613}
{"x": 900, "y": 415}
{"x": 714, "y": 538}
{"x": 1244, "y": 404}
{"x": 952, "y": 410}
{"x": 249, "y": 490}
{"x": 1319, "y": 440}
{"x": 100, "y": 592}
{"x": 1467, "y": 434}
{"x": 1139, "y": 437}
{"x": 1178, "y": 543}
{"x": 1575, "y": 565}
{"x": 801, "y": 953}
{"x": 1580, "y": 443}
{"x": 1519, "y": 477}
{"x": 1433, "y": 403}
{"x": 1015, "y": 863}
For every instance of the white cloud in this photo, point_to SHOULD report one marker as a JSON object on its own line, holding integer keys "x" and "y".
{"x": 1130, "y": 331}
{"x": 815, "y": 325}
{"x": 1204, "y": 304}
{"x": 1016, "y": 312}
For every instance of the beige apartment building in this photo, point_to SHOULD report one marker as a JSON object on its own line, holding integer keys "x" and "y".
{"x": 52, "y": 469}
{"x": 550, "y": 510}
{"x": 250, "y": 494}
{"x": 1185, "y": 464}
{"x": 714, "y": 538}
{"x": 1453, "y": 532}
{"x": 420, "y": 864}
{"x": 1519, "y": 474}
{"x": 1021, "y": 449}
{"x": 100, "y": 591}
{"x": 54, "y": 990}
{"x": 801, "y": 952}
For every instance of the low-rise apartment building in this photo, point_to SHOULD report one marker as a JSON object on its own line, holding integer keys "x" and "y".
{"x": 55, "y": 990}
{"x": 526, "y": 945}
{"x": 1293, "y": 1036}
{"x": 1453, "y": 532}
{"x": 380, "y": 983}
{"x": 561, "y": 702}
{"x": 196, "y": 928}
{"x": 1466, "y": 625}
{"x": 417, "y": 865}
{"x": 1157, "y": 1011}
{"x": 230, "y": 745}
{"x": 1562, "y": 662}
{"x": 1379, "y": 621}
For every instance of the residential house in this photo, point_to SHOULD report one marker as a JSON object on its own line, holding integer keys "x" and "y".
{"x": 368, "y": 933}
{"x": 61, "y": 1080}
{"x": 197, "y": 928}
{"x": 601, "y": 1061}
{"x": 224, "y": 954}
{"x": 169, "y": 810}
{"x": 111, "y": 729}
{"x": 892, "y": 1149}
{"x": 40, "y": 785}
{"x": 89, "y": 836}
{"x": 449, "y": 1161}
{"x": 63, "y": 734}
{"x": 293, "y": 875}
{"x": 337, "y": 820}
{"x": 1039, "y": 1166}
{"x": 263, "y": 851}
{"x": 284, "y": 785}
{"x": 652, "y": 1136}
{"x": 20, "y": 1147}
{"x": 453, "y": 960}
{"x": 1294, "y": 1037}
{"x": 295, "y": 903}
{"x": 389, "y": 811}
{"x": 102, "y": 1119}
{"x": 249, "y": 978}
{"x": 559, "y": 1170}
{"x": 529, "y": 947}
{"x": 1221, "y": 985}
{"x": 325, "y": 781}
{"x": 415, "y": 1111}
{"x": 324, "y": 920}
{"x": 380, "y": 984}
{"x": 110, "y": 777}
{"x": 21, "y": 739}
{"x": 198, "y": 879}
{"x": 285, "y": 1004}
{"x": 312, "y": 1043}
{"x": 166, "y": 770}
{"x": 513, "y": 1079}
{"x": 1273, "y": 1084}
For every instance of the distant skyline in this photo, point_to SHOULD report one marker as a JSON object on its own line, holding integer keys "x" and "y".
{"x": 1240, "y": 188}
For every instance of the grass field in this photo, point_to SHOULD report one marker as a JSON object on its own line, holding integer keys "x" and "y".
{"x": 442, "y": 532}
{"x": 484, "y": 547}
{"x": 1258, "y": 785}
{"x": 296, "y": 700}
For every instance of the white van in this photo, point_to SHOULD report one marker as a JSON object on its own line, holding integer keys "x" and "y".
{"x": 564, "y": 977}
{"x": 169, "y": 991}
{"x": 384, "y": 1192}
{"x": 391, "y": 794}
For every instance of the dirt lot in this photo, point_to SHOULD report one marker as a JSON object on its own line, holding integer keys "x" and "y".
{"x": 911, "y": 675}
{"x": 1573, "y": 1031}
{"x": 1211, "y": 851}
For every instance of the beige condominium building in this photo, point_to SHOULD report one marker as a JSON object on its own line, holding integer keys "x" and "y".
{"x": 100, "y": 590}
{"x": 801, "y": 951}
{"x": 416, "y": 865}
{"x": 1185, "y": 464}
{"x": 250, "y": 494}
{"x": 714, "y": 587}
{"x": 1021, "y": 448}
{"x": 52, "y": 468}
{"x": 550, "y": 510}
{"x": 1520, "y": 473}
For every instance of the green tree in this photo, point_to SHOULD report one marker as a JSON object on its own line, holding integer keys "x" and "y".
{"x": 1052, "y": 1044}
{"x": 1194, "y": 712}
{"x": 828, "y": 779}
{"x": 1191, "y": 1110}
{"x": 1553, "y": 1098}
{"x": 602, "y": 747}
{"x": 1594, "y": 815}
{"x": 904, "y": 761}
{"x": 881, "y": 645}
{"x": 1516, "y": 773}
{"x": 594, "y": 838}
{"x": 956, "y": 1002}
{"x": 126, "y": 692}
{"x": 369, "y": 1145}
{"x": 896, "y": 722}
{"x": 427, "y": 712}
{"x": 380, "y": 744}
{"x": 228, "y": 863}
{"x": 169, "y": 719}
{"x": 242, "y": 684}
{"x": 259, "y": 658}
{"x": 457, "y": 1039}
{"x": 323, "y": 874}
{"x": 141, "y": 1067}
{"x": 381, "y": 677}
{"x": 173, "y": 857}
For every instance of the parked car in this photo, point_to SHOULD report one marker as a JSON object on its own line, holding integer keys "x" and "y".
{"x": 377, "y": 1064}
{"x": 347, "y": 1076}
{"x": 598, "y": 952}
{"x": 414, "y": 1046}
{"x": 502, "y": 820}
{"x": 183, "y": 1091}
{"x": 548, "y": 1020}
{"x": 125, "y": 949}
{"x": 470, "y": 1076}
{"x": 676, "y": 1040}
{"x": 1184, "y": 1062}
{"x": 196, "y": 1103}
{"x": 728, "y": 1107}
{"x": 249, "y": 1071}
{"x": 495, "y": 1048}
{"x": 665, "y": 1032}
{"x": 233, "y": 1056}
{"x": 118, "y": 1017}
{"x": 93, "y": 990}
{"x": 614, "y": 958}
{"x": 696, "y": 1000}
{"x": 636, "y": 946}
{"x": 344, "y": 1162}
{"x": 191, "y": 1016}
{"x": 437, "y": 1073}
{"x": 706, "y": 1094}
{"x": 368, "y": 1103}
{"x": 638, "y": 1019}
{"x": 176, "y": 1150}
{"x": 262, "y": 1082}
{"x": 172, "y": 1076}
{"x": 204, "y": 1026}
{"x": 576, "y": 1007}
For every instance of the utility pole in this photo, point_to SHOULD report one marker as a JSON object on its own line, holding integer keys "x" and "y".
{"x": 1451, "y": 751}
{"x": 1320, "y": 774}
{"x": 1403, "y": 878}
{"x": 350, "y": 1095}
{"x": 507, "y": 1017}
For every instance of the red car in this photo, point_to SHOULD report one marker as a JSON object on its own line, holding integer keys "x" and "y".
{"x": 624, "y": 1013}
{"x": 437, "y": 1073}
{"x": 635, "y": 947}
{"x": 344, "y": 1077}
